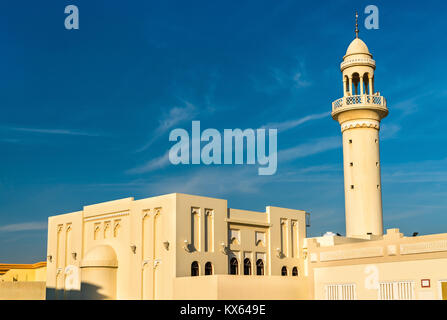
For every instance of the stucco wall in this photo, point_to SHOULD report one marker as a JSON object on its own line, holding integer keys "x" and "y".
{"x": 361, "y": 276}
{"x": 228, "y": 287}
{"x": 34, "y": 290}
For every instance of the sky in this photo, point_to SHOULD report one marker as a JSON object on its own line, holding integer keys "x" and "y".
{"x": 86, "y": 114}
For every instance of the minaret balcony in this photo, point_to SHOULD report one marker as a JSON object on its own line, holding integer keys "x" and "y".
{"x": 376, "y": 102}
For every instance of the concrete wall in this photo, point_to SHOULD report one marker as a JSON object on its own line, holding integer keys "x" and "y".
{"x": 33, "y": 290}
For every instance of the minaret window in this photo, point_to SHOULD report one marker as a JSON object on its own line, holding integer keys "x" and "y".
{"x": 346, "y": 83}
{"x": 351, "y": 164}
{"x": 356, "y": 83}
{"x": 365, "y": 83}
{"x": 352, "y": 186}
{"x": 284, "y": 271}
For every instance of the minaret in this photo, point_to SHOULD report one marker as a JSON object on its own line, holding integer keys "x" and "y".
{"x": 359, "y": 113}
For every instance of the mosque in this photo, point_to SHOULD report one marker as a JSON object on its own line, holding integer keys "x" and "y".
{"x": 179, "y": 246}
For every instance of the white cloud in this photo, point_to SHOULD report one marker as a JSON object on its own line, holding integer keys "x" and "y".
{"x": 56, "y": 131}
{"x": 154, "y": 164}
{"x": 290, "y": 124}
{"x": 309, "y": 148}
{"x": 299, "y": 81}
{"x": 389, "y": 130}
{"x": 169, "y": 120}
{"x": 27, "y": 226}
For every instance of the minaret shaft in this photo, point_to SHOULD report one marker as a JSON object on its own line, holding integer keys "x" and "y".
{"x": 361, "y": 164}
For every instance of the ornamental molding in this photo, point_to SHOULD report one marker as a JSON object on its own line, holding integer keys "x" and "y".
{"x": 107, "y": 216}
{"x": 368, "y": 252}
{"x": 360, "y": 124}
{"x": 424, "y": 247}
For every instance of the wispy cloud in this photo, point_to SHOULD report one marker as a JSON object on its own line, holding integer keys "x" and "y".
{"x": 27, "y": 226}
{"x": 154, "y": 164}
{"x": 293, "y": 79}
{"x": 169, "y": 120}
{"x": 428, "y": 171}
{"x": 290, "y": 124}
{"x": 54, "y": 131}
{"x": 310, "y": 148}
{"x": 299, "y": 80}
{"x": 389, "y": 130}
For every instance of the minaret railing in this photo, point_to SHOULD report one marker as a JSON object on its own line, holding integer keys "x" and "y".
{"x": 358, "y": 100}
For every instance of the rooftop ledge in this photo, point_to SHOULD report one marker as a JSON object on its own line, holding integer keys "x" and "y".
{"x": 359, "y": 102}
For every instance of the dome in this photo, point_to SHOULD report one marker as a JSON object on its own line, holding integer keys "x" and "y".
{"x": 357, "y": 46}
{"x": 100, "y": 256}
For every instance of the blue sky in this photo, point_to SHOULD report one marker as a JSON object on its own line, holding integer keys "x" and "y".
{"x": 86, "y": 114}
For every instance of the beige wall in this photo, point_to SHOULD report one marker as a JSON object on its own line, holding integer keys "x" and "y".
{"x": 391, "y": 258}
{"x": 362, "y": 275}
{"x": 18, "y": 290}
{"x": 227, "y": 287}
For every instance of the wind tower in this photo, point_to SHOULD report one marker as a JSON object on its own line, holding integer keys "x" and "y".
{"x": 359, "y": 113}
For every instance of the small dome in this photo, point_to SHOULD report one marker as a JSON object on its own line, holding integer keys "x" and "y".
{"x": 100, "y": 256}
{"x": 357, "y": 46}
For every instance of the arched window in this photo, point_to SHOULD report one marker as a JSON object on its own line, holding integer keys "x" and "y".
{"x": 208, "y": 269}
{"x": 284, "y": 271}
{"x": 295, "y": 272}
{"x": 356, "y": 83}
{"x": 365, "y": 83}
{"x": 194, "y": 269}
{"x": 347, "y": 88}
{"x": 260, "y": 267}
{"x": 233, "y": 266}
{"x": 247, "y": 266}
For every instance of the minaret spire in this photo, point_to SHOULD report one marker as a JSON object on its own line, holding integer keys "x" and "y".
{"x": 356, "y": 24}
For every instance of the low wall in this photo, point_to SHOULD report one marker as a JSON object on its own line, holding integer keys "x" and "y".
{"x": 18, "y": 290}
{"x": 229, "y": 287}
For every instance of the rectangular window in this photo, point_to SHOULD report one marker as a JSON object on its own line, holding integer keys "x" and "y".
{"x": 340, "y": 291}
{"x": 396, "y": 290}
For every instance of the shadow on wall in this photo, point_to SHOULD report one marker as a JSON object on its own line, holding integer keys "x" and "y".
{"x": 88, "y": 292}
